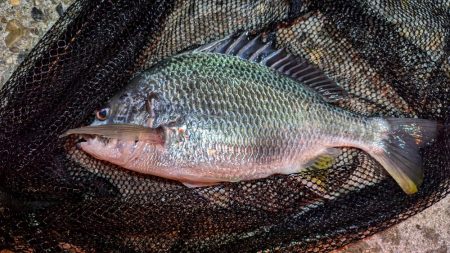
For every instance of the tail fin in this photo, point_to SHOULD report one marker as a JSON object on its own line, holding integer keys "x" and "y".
{"x": 399, "y": 153}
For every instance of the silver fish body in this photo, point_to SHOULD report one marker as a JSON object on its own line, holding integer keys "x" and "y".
{"x": 226, "y": 119}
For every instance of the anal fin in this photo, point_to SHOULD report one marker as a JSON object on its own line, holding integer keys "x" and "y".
{"x": 317, "y": 170}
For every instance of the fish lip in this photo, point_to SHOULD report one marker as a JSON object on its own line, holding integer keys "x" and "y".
{"x": 88, "y": 138}
{"x": 78, "y": 145}
{"x": 81, "y": 139}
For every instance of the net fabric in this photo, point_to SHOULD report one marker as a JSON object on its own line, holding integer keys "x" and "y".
{"x": 391, "y": 56}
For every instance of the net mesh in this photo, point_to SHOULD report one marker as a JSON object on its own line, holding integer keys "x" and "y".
{"x": 391, "y": 56}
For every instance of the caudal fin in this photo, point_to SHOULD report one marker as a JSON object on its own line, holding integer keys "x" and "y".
{"x": 399, "y": 153}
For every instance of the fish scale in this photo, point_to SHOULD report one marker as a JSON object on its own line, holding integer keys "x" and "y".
{"x": 277, "y": 104}
{"x": 257, "y": 112}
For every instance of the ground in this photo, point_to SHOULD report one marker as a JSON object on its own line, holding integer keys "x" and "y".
{"x": 23, "y": 22}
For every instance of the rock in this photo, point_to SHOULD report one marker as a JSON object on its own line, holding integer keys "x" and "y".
{"x": 60, "y": 8}
{"x": 14, "y": 49}
{"x": 16, "y": 32}
{"x": 13, "y": 25}
{"x": 37, "y": 14}
{"x": 10, "y": 60}
{"x": 21, "y": 56}
{"x": 14, "y": 2}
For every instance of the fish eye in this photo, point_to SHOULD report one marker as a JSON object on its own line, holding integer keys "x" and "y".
{"x": 102, "y": 114}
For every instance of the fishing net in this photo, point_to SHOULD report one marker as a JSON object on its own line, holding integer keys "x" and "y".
{"x": 391, "y": 56}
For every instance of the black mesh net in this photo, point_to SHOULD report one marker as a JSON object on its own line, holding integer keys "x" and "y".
{"x": 391, "y": 56}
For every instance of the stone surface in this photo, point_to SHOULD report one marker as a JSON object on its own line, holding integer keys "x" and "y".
{"x": 14, "y": 2}
{"x": 22, "y": 24}
{"x": 428, "y": 231}
{"x": 37, "y": 14}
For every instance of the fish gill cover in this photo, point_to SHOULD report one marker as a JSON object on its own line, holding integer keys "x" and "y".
{"x": 392, "y": 57}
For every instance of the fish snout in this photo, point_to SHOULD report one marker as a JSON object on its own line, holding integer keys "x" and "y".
{"x": 111, "y": 150}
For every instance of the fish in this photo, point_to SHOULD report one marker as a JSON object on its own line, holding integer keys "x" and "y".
{"x": 239, "y": 109}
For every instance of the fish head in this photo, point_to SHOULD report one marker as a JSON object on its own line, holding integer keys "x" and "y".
{"x": 125, "y": 153}
{"x": 120, "y": 143}
{"x": 130, "y": 106}
{"x": 122, "y": 125}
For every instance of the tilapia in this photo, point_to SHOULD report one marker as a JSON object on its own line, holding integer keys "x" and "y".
{"x": 239, "y": 109}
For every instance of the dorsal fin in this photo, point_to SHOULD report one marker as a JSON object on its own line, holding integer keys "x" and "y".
{"x": 253, "y": 48}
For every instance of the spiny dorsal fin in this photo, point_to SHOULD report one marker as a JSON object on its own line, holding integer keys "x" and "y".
{"x": 253, "y": 48}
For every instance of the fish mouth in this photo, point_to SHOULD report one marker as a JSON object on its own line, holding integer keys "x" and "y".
{"x": 102, "y": 141}
{"x": 84, "y": 139}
